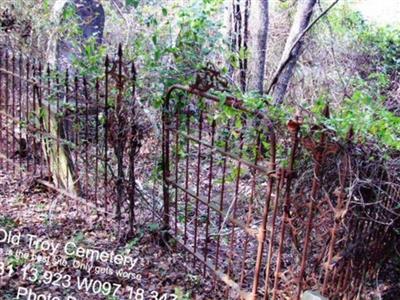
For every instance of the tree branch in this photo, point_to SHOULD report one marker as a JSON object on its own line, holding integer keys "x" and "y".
{"x": 296, "y": 42}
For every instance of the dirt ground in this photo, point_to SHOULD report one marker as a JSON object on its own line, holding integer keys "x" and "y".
{"x": 32, "y": 210}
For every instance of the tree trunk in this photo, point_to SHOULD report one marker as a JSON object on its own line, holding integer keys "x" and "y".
{"x": 60, "y": 52}
{"x": 59, "y": 158}
{"x": 259, "y": 16}
{"x": 300, "y": 23}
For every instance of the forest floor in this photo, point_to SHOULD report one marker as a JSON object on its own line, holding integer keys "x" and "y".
{"x": 32, "y": 210}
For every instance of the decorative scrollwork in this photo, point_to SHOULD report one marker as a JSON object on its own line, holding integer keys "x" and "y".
{"x": 209, "y": 78}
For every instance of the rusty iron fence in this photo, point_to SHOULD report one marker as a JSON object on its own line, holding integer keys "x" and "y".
{"x": 267, "y": 209}
{"x": 270, "y": 210}
{"x": 70, "y": 131}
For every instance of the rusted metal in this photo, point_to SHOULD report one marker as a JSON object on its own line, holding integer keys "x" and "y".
{"x": 7, "y": 94}
{"x": 319, "y": 157}
{"x": 96, "y": 140}
{"x": 1, "y": 105}
{"x": 20, "y": 114}
{"x": 49, "y": 118}
{"x": 13, "y": 123}
{"x": 339, "y": 213}
{"x": 133, "y": 151}
{"x": 186, "y": 197}
{"x": 177, "y": 124}
{"x": 34, "y": 118}
{"x": 265, "y": 210}
{"x": 294, "y": 128}
{"x": 250, "y": 212}
{"x": 270, "y": 253}
{"x": 210, "y": 186}
{"x": 214, "y": 190}
{"x": 198, "y": 169}
{"x": 262, "y": 229}
{"x": 235, "y": 204}
{"x": 225, "y": 214}
{"x": 207, "y": 135}
{"x": 66, "y": 127}
{"x": 86, "y": 136}
{"x": 106, "y": 127}
{"x": 166, "y": 165}
{"x": 27, "y": 100}
{"x": 49, "y": 114}
{"x": 222, "y": 194}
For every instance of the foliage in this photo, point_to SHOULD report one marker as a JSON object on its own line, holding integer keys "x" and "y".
{"x": 377, "y": 49}
{"x": 25, "y": 25}
{"x": 90, "y": 62}
{"x": 368, "y": 118}
{"x": 385, "y": 43}
{"x": 170, "y": 41}
{"x": 7, "y": 222}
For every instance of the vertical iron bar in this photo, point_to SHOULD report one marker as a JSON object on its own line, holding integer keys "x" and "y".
{"x": 222, "y": 194}
{"x": 34, "y": 117}
{"x": 280, "y": 175}
{"x": 210, "y": 178}
{"x": 198, "y": 183}
{"x": 1, "y": 105}
{"x": 177, "y": 116}
{"x": 340, "y": 204}
{"x": 250, "y": 209}
{"x": 319, "y": 156}
{"x": 66, "y": 108}
{"x": 133, "y": 150}
{"x": 28, "y": 66}
{"x": 86, "y": 139}
{"x": 41, "y": 121}
{"x": 6, "y": 110}
{"x": 187, "y": 174}
{"x": 119, "y": 143}
{"x": 235, "y": 201}
{"x": 262, "y": 229}
{"x": 58, "y": 123}
{"x": 66, "y": 114}
{"x": 294, "y": 130}
{"x": 22, "y": 145}
{"x": 165, "y": 159}
{"x": 13, "y": 151}
{"x": 49, "y": 113}
{"x": 76, "y": 126}
{"x": 96, "y": 168}
{"x": 107, "y": 64}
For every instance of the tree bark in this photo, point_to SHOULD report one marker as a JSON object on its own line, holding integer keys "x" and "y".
{"x": 238, "y": 40}
{"x": 259, "y": 16}
{"x": 60, "y": 53}
{"x": 300, "y": 23}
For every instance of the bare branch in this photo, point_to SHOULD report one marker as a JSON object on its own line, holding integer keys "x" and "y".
{"x": 296, "y": 42}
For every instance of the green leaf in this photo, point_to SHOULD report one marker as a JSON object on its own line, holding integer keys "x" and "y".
{"x": 154, "y": 39}
{"x": 134, "y": 3}
{"x": 238, "y": 123}
{"x": 153, "y": 227}
{"x": 68, "y": 12}
{"x": 164, "y": 11}
{"x": 46, "y": 4}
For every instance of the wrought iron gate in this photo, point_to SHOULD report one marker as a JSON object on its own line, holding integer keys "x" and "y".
{"x": 262, "y": 207}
